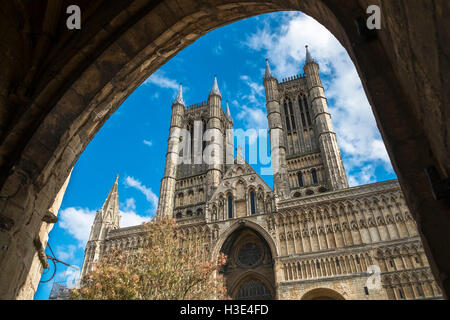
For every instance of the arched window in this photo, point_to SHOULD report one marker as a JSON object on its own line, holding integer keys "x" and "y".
{"x": 314, "y": 176}
{"x": 300, "y": 179}
{"x": 419, "y": 290}
{"x": 190, "y": 129}
{"x": 286, "y": 114}
{"x": 253, "y": 289}
{"x": 230, "y": 206}
{"x": 291, "y": 111}
{"x": 305, "y": 101}
{"x": 302, "y": 110}
{"x": 203, "y": 132}
{"x": 437, "y": 289}
{"x": 252, "y": 203}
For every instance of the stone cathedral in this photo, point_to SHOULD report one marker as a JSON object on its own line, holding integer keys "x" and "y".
{"x": 311, "y": 237}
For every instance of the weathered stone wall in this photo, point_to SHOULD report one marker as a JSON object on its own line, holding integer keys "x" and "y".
{"x": 40, "y": 259}
{"x": 349, "y": 287}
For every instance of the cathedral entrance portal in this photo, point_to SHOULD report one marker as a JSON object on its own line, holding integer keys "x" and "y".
{"x": 249, "y": 273}
{"x": 322, "y": 294}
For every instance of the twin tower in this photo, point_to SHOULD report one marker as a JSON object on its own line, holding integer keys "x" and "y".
{"x": 304, "y": 149}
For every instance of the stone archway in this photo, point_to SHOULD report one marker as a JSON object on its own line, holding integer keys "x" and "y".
{"x": 322, "y": 294}
{"x": 249, "y": 272}
{"x": 58, "y": 88}
{"x": 253, "y": 287}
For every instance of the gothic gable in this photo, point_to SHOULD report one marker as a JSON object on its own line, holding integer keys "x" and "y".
{"x": 249, "y": 193}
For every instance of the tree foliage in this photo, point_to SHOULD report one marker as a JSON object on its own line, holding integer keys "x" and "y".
{"x": 168, "y": 265}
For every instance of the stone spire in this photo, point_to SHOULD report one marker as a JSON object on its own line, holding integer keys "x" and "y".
{"x": 239, "y": 157}
{"x": 215, "y": 88}
{"x": 111, "y": 204}
{"x": 106, "y": 219}
{"x": 228, "y": 113}
{"x": 268, "y": 73}
{"x": 309, "y": 58}
{"x": 179, "y": 98}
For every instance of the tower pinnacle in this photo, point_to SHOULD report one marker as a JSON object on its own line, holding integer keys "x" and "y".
{"x": 228, "y": 113}
{"x": 268, "y": 73}
{"x": 309, "y": 58}
{"x": 215, "y": 88}
{"x": 179, "y": 98}
{"x": 112, "y": 201}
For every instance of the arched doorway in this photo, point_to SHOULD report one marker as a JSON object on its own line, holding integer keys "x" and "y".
{"x": 249, "y": 272}
{"x": 322, "y": 294}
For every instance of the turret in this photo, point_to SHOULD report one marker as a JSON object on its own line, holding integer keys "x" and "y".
{"x": 167, "y": 193}
{"x": 106, "y": 219}
{"x": 334, "y": 167}
{"x": 229, "y": 139}
{"x": 276, "y": 131}
{"x": 214, "y": 151}
{"x": 228, "y": 113}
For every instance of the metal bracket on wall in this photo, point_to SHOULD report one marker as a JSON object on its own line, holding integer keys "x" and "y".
{"x": 50, "y": 218}
{"x": 41, "y": 253}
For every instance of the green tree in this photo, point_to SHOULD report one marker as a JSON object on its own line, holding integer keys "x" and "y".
{"x": 166, "y": 266}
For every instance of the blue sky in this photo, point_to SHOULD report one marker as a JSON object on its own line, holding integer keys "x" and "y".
{"x": 133, "y": 141}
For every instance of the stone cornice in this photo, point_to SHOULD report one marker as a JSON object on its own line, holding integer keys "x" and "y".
{"x": 348, "y": 250}
{"x": 339, "y": 195}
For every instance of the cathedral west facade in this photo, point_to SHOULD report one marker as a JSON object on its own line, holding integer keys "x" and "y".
{"x": 311, "y": 236}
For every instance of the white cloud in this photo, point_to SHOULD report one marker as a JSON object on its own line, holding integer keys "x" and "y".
{"x": 254, "y": 118}
{"x": 218, "y": 49}
{"x": 162, "y": 81}
{"x": 130, "y": 204}
{"x": 365, "y": 175}
{"x": 358, "y": 135}
{"x": 128, "y": 214}
{"x": 256, "y": 91}
{"x": 149, "y": 194}
{"x": 70, "y": 277}
{"x": 131, "y": 218}
{"x": 252, "y": 113}
{"x": 77, "y": 222}
{"x": 66, "y": 253}
{"x": 147, "y": 143}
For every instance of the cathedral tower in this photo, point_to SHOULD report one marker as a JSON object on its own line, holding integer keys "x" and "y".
{"x": 199, "y": 140}
{"x": 215, "y": 149}
{"x": 310, "y": 160}
{"x": 106, "y": 219}
{"x": 331, "y": 156}
{"x": 277, "y": 135}
{"x": 165, "y": 202}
